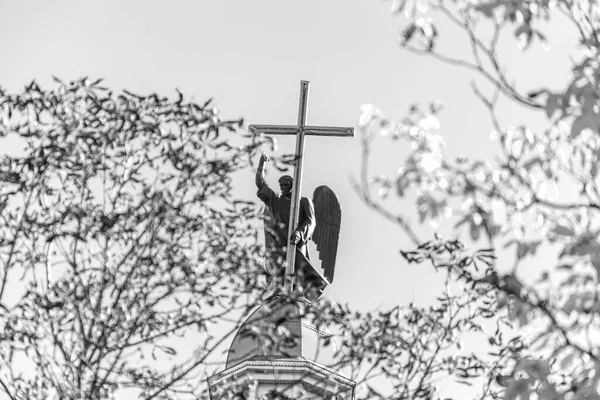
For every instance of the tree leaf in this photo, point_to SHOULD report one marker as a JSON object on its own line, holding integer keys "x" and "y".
{"x": 596, "y": 262}
{"x": 585, "y": 121}
{"x": 398, "y": 6}
{"x": 486, "y": 9}
{"x": 518, "y": 389}
{"x": 567, "y": 360}
{"x": 538, "y": 369}
{"x": 475, "y": 231}
{"x": 562, "y": 230}
{"x": 553, "y": 103}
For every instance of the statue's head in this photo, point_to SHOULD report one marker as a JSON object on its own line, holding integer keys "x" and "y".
{"x": 285, "y": 184}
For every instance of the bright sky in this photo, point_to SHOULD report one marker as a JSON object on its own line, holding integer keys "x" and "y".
{"x": 250, "y": 56}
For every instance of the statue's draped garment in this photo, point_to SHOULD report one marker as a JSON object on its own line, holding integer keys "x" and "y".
{"x": 279, "y": 207}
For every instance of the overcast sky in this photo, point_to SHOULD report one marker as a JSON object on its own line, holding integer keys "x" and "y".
{"x": 250, "y": 56}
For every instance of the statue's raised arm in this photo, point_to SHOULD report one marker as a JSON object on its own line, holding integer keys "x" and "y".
{"x": 260, "y": 172}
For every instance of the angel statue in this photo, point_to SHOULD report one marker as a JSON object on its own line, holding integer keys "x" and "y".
{"x": 319, "y": 220}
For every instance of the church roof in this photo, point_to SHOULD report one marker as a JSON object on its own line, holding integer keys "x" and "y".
{"x": 275, "y": 331}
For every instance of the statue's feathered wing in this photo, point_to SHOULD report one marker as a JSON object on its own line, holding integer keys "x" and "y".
{"x": 328, "y": 214}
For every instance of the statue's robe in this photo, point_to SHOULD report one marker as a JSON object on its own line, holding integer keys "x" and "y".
{"x": 279, "y": 207}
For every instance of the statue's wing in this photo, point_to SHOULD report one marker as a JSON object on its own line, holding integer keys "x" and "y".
{"x": 328, "y": 214}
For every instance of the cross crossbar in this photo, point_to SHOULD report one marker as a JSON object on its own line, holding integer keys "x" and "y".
{"x": 308, "y": 130}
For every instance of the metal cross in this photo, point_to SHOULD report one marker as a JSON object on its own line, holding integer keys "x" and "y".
{"x": 300, "y": 130}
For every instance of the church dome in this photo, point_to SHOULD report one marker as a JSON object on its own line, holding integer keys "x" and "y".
{"x": 275, "y": 331}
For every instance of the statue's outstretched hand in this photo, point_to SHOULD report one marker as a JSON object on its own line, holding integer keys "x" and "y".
{"x": 296, "y": 238}
{"x": 260, "y": 172}
{"x": 264, "y": 157}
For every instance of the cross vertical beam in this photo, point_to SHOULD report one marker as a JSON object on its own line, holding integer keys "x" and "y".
{"x": 298, "y": 163}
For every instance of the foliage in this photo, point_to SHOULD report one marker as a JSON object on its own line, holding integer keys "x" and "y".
{"x": 119, "y": 231}
{"x": 121, "y": 242}
{"x": 510, "y": 202}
